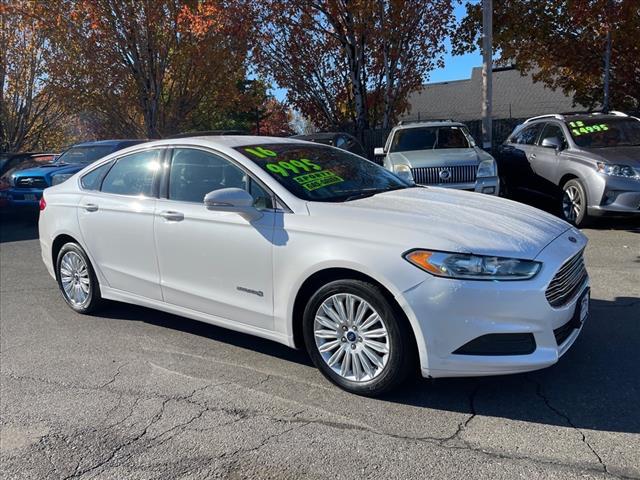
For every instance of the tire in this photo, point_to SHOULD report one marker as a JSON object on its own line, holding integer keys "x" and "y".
{"x": 77, "y": 280}
{"x": 573, "y": 203}
{"x": 505, "y": 191}
{"x": 389, "y": 331}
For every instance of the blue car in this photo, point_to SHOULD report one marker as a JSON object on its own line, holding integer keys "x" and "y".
{"x": 27, "y": 185}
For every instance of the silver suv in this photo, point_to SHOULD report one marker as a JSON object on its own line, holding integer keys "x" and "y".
{"x": 589, "y": 162}
{"x": 439, "y": 153}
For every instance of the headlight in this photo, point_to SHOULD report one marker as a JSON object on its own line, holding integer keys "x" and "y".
{"x": 404, "y": 172}
{"x": 487, "y": 168}
{"x": 59, "y": 178}
{"x": 617, "y": 170}
{"x": 472, "y": 267}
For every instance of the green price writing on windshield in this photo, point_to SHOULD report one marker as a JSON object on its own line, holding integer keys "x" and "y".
{"x": 579, "y": 128}
{"x": 283, "y": 167}
{"x": 261, "y": 152}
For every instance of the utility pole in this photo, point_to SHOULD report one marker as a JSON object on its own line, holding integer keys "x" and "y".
{"x": 607, "y": 71}
{"x": 487, "y": 64}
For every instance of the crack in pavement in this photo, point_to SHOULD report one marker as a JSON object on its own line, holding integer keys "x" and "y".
{"x": 547, "y": 402}
{"x": 443, "y": 442}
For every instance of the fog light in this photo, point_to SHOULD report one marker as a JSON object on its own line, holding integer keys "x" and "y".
{"x": 610, "y": 197}
{"x": 488, "y": 189}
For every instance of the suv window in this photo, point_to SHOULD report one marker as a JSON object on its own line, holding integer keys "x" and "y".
{"x": 553, "y": 130}
{"x": 194, "y": 173}
{"x": 427, "y": 138}
{"x": 93, "y": 179}
{"x": 133, "y": 174}
{"x": 527, "y": 135}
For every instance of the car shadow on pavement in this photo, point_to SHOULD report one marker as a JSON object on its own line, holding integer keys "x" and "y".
{"x": 15, "y": 227}
{"x": 595, "y": 385}
{"x": 123, "y": 311}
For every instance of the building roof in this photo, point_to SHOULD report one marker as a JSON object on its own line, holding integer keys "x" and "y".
{"x": 514, "y": 96}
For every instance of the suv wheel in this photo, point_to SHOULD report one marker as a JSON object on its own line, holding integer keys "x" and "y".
{"x": 574, "y": 203}
{"x": 356, "y": 339}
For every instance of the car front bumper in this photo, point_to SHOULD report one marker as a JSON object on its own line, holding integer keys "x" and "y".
{"x": 486, "y": 185}
{"x": 453, "y": 313}
{"x": 609, "y": 195}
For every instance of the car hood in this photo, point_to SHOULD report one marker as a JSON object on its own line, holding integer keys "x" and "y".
{"x": 49, "y": 170}
{"x": 447, "y": 220}
{"x": 436, "y": 158}
{"x": 624, "y": 155}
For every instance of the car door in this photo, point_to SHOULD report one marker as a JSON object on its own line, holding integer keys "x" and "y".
{"x": 116, "y": 216}
{"x": 216, "y": 263}
{"x": 547, "y": 158}
{"x": 513, "y": 157}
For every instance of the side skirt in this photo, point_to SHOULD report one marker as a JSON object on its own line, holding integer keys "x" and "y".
{"x": 120, "y": 296}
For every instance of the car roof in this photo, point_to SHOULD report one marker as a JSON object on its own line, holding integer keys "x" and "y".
{"x": 226, "y": 140}
{"x": 431, "y": 123}
{"x": 108, "y": 143}
{"x": 319, "y": 135}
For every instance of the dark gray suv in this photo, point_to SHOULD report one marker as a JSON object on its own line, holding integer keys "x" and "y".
{"x": 589, "y": 162}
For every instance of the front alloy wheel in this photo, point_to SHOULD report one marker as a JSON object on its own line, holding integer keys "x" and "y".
{"x": 357, "y": 338}
{"x": 574, "y": 203}
{"x": 351, "y": 337}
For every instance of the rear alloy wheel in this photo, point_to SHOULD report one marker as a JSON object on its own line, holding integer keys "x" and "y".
{"x": 356, "y": 339}
{"x": 574, "y": 203}
{"x": 76, "y": 279}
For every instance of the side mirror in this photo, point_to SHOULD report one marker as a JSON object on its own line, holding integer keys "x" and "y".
{"x": 378, "y": 152}
{"x": 232, "y": 200}
{"x": 552, "y": 142}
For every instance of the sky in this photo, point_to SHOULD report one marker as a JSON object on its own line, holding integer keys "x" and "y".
{"x": 456, "y": 68}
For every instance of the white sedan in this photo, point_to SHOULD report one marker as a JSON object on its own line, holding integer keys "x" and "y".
{"x": 317, "y": 248}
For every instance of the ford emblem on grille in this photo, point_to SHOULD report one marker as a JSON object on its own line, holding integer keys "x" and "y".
{"x": 573, "y": 239}
{"x": 445, "y": 174}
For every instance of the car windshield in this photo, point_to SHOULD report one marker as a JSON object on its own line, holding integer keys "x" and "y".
{"x": 322, "y": 174}
{"x": 605, "y": 132}
{"x": 84, "y": 155}
{"x": 428, "y": 138}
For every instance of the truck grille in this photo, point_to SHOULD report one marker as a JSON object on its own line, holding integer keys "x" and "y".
{"x": 31, "y": 182}
{"x": 567, "y": 282}
{"x": 453, "y": 174}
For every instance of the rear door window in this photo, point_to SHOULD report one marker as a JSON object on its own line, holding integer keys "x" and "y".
{"x": 93, "y": 179}
{"x": 134, "y": 174}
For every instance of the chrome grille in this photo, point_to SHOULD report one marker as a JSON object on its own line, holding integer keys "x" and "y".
{"x": 567, "y": 281}
{"x": 456, "y": 174}
{"x": 31, "y": 182}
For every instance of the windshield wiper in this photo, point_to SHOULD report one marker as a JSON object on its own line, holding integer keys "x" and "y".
{"x": 371, "y": 192}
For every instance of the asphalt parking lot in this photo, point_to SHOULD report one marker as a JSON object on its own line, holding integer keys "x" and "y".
{"x": 135, "y": 393}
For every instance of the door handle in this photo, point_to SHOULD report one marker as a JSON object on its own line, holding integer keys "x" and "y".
{"x": 172, "y": 216}
{"x": 91, "y": 207}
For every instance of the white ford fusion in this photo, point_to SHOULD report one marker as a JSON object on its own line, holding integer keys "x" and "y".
{"x": 317, "y": 248}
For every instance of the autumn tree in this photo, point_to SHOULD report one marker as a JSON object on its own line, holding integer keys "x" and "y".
{"x": 563, "y": 44}
{"x": 351, "y": 62}
{"x": 29, "y": 110}
{"x": 146, "y": 66}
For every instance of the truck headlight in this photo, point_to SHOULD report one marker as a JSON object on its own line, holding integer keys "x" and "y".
{"x": 487, "y": 168}
{"x": 60, "y": 177}
{"x": 618, "y": 170}
{"x": 472, "y": 267}
{"x": 404, "y": 172}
